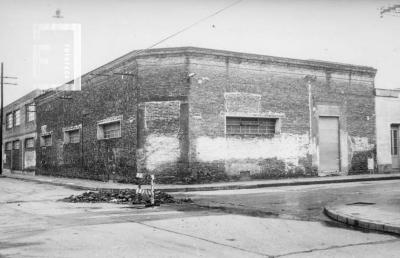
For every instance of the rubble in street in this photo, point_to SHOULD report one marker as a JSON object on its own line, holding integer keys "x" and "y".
{"x": 126, "y": 196}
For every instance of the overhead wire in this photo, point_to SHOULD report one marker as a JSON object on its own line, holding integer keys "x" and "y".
{"x": 138, "y": 52}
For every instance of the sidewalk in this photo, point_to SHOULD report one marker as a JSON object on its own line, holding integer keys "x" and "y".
{"x": 383, "y": 217}
{"x": 84, "y": 184}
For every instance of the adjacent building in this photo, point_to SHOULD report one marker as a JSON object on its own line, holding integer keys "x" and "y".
{"x": 387, "y": 129}
{"x": 19, "y": 134}
{"x": 196, "y": 115}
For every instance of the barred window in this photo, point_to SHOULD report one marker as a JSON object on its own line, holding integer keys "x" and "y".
{"x": 30, "y": 143}
{"x": 45, "y": 140}
{"x": 16, "y": 145}
{"x": 250, "y": 125}
{"x": 72, "y": 136}
{"x": 30, "y": 112}
{"x": 17, "y": 117}
{"x": 9, "y": 120}
{"x": 9, "y": 146}
{"x": 112, "y": 130}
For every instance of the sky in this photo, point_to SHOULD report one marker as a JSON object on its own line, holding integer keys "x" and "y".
{"x": 339, "y": 31}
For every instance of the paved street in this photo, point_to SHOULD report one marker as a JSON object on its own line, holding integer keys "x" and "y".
{"x": 296, "y": 202}
{"x": 285, "y": 221}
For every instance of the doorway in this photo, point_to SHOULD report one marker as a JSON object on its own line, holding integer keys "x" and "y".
{"x": 394, "y": 145}
{"x": 329, "y": 151}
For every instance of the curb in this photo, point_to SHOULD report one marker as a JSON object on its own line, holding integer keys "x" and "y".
{"x": 359, "y": 222}
{"x": 72, "y": 186}
{"x": 220, "y": 187}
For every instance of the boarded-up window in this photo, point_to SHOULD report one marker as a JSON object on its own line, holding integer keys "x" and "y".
{"x": 9, "y": 146}
{"x": 29, "y": 143}
{"x": 250, "y": 125}
{"x": 9, "y": 120}
{"x": 16, "y": 145}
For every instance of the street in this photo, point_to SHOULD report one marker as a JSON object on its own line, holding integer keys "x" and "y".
{"x": 268, "y": 222}
{"x": 303, "y": 202}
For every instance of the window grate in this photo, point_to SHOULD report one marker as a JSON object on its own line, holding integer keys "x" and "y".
{"x": 112, "y": 130}
{"x": 244, "y": 125}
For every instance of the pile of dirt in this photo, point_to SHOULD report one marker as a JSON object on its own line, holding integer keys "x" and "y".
{"x": 124, "y": 197}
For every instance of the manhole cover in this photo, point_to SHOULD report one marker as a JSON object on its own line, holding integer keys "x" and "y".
{"x": 361, "y": 203}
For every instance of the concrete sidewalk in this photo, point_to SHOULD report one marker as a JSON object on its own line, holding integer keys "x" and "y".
{"x": 84, "y": 184}
{"x": 383, "y": 216}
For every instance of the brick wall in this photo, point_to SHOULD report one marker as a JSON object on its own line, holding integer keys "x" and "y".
{"x": 20, "y": 159}
{"x": 173, "y": 113}
{"x": 225, "y": 86}
{"x": 157, "y": 83}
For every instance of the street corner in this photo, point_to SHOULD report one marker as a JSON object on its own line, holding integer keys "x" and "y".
{"x": 366, "y": 215}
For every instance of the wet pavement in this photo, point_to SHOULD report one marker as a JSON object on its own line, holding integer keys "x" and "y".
{"x": 296, "y": 202}
{"x": 283, "y": 221}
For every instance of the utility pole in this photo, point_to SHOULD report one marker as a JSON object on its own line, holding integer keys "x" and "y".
{"x": 2, "y": 110}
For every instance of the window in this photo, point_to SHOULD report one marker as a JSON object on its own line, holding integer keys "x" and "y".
{"x": 17, "y": 117}
{"x": 109, "y": 128}
{"x": 112, "y": 130}
{"x": 9, "y": 120}
{"x": 9, "y": 146}
{"x": 45, "y": 140}
{"x": 395, "y": 141}
{"x": 16, "y": 145}
{"x": 250, "y": 125}
{"x": 29, "y": 143}
{"x": 72, "y": 136}
{"x": 30, "y": 112}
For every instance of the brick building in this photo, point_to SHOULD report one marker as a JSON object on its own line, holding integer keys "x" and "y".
{"x": 19, "y": 130}
{"x": 191, "y": 114}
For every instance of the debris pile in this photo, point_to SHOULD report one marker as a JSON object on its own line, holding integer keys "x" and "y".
{"x": 124, "y": 196}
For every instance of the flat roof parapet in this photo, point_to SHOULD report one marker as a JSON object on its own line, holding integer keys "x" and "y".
{"x": 248, "y": 56}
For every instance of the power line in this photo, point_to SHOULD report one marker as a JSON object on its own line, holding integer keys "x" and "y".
{"x": 194, "y": 24}
{"x": 138, "y": 52}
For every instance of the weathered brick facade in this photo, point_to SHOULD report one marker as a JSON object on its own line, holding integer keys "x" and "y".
{"x": 172, "y": 106}
{"x": 18, "y": 155}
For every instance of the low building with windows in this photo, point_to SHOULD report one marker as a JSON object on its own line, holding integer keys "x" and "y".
{"x": 19, "y": 132}
{"x": 196, "y": 115}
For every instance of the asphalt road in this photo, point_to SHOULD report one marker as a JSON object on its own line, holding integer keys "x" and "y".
{"x": 296, "y": 202}
{"x": 284, "y": 222}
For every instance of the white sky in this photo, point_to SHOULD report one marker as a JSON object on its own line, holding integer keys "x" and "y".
{"x": 339, "y": 31}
